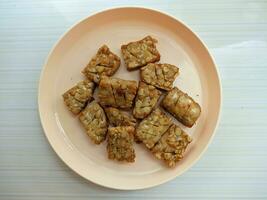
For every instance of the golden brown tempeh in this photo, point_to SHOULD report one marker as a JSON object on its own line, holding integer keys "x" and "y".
{"x": 159, "y": 75}
{"x": 77, "y": 97}
{"x": 139, "y": 53}
{"x": 94, "y": 121}
{"x": 116, "y": 92}
{"x": 182, "y": 107}
{"x": 171, "y": 147}
{"x": 117, "y": 117}
{"x": 146, "y": 99}
{"x": 120, "y": 143}
{"x": 103, "y": 63}
{"x": 152, "y": 128}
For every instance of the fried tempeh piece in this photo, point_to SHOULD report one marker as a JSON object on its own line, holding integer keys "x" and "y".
{"x": 159, "y": 75}
{"x": 120, "y": 143}
{"x": 94, "y": 121}
{"x": 152, "y": 128}
{"x": 145, "y": 101}
{"x": 103, "y": 63}
{"x": 182, "y": 107}
{"x": 172, "y": 145}
{"x": 117, "y": 117}
{"x": 116, "y": 92}
{"x": 139, "y": 53}
{"x": 77, "y": 97}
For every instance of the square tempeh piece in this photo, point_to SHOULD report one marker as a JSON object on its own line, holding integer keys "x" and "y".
{"x": 152, "y": 128}
{"x": 120, "y": 143}
{"x": 77, "y": 97}
{"x": 172, "y": 145}
{"x": 159, "y": 75}
{"x": 139, "y": 53}
{"x": 103, "y": 63}
{"x": 116, "y": 92}
{"x": 181, "y": 106}
{"x": 117, "y": 117}
{"x": 94, "y": 121}
{"x": 145, "y": 101}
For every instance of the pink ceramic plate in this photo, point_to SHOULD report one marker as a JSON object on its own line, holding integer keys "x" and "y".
{"x": 177, "y": 45}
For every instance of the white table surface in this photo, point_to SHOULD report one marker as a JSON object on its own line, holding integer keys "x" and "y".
{"x": 235, "y": 165}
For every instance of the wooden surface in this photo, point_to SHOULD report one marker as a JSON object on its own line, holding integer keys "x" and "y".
{"x": 235, "y": 165}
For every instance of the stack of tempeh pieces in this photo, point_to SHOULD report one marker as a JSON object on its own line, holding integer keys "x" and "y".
{"x": 166, "y": 140}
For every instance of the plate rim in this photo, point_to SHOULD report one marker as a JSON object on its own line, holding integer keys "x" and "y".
{"x": 140, "y": 8}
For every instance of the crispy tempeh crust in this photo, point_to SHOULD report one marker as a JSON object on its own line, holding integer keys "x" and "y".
{"x": 161, "y": 76}
{"x": 139, "y": 53}
{"x": 152, "y": 128}
{"x": 103, "y": 63}
{"x": 146, "y": 99}
{"x": 78, "y": 96}
{"x": 94, "y": 120}
{"x": 117, "y": 117}
{"x": 182, "y": 107}
{"x": 120, "y": 143}
{"x": 116, "y": 92}
{"x": 171, "y": 147}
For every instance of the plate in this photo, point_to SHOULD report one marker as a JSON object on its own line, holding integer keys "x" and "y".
{"x": 177, "y": 45}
